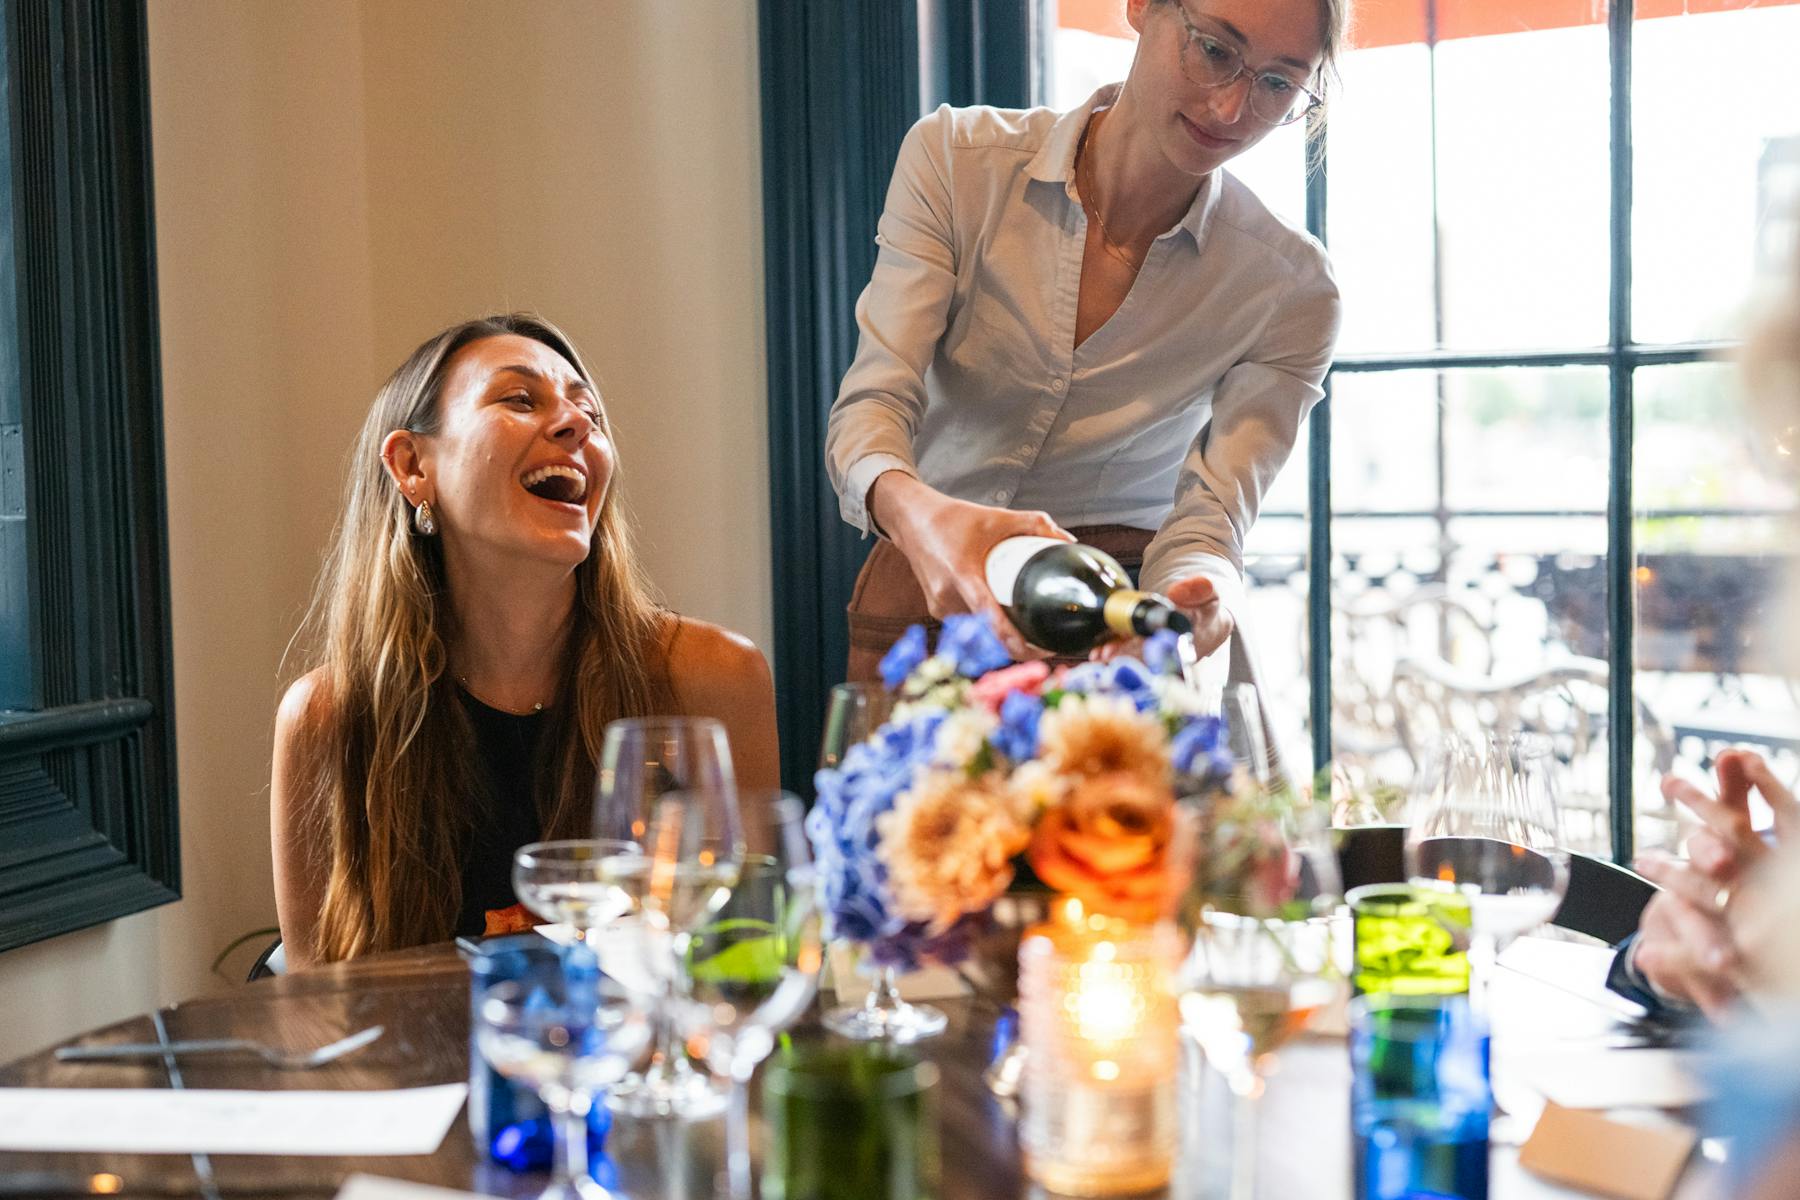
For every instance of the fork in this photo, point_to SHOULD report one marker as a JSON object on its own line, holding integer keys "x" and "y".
{"x": 285, "y": 1060}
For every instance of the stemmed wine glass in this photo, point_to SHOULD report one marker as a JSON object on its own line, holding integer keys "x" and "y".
{"x": 1485, "y": 825}
{"x": 855, "y": 712}
{"x": 569, "y": 882}
{"x": 666, "y": 785}
{"x": 1259, "y": 911}
{"x": 567, "y": 1032}
{"x": 753, "y": 969}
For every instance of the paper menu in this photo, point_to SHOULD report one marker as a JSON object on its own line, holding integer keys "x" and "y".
{"x": 185, "y": 1121}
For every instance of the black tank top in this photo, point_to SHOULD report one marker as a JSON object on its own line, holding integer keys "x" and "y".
{"x": 505, "y": 816}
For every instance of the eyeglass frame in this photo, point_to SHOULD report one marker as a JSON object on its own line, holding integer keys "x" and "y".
{"x": 1191, "y": 38}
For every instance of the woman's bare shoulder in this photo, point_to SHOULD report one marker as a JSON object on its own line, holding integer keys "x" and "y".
{"x": 711, "y": 666}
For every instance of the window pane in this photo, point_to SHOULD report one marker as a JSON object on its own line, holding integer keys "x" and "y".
{"x": 1714, "y": 536}
{"x": 1468, "y": 587}
{"x": 1716, "y": 152}
{"x": 1520, "y": 179}
{"x": 1275, "y": 575}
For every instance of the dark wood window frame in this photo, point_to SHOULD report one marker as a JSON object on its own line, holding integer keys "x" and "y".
{"x": 88, "y": 828}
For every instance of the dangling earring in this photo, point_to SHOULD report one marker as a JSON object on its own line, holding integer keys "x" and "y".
{"x": 423, "y": 520}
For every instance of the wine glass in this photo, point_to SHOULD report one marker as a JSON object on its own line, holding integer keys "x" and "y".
{"x": 753, "y": 969}
{"x": 568, "y": 882}
{"x": 1261, "y": 967}
{"x": 568, "y": 1032}
{"x": 856, "y": 711}
{"x": 666, "y": 785}
{"x": 1484, "y": 825}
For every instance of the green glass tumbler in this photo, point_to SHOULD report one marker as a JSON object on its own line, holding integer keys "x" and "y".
{"x": 1409, "y": 941}
{"x": 850, "y": 1121}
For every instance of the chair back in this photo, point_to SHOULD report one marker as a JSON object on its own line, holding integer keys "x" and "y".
{"x": 1604, "y": 900}
{"x": 272, "y": 961}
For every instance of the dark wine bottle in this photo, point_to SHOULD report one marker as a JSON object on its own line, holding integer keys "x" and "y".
{"x": 1068, "y": 598}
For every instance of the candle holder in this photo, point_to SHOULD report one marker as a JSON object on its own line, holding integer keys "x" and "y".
{"x": 1099, "y": 1021}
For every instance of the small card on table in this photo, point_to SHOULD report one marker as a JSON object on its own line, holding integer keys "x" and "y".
{"x": 1609, "y": 1157}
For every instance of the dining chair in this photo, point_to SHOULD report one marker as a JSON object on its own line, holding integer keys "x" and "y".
{"x": 1604, "y": 900}
{"x": 272, "y": 961}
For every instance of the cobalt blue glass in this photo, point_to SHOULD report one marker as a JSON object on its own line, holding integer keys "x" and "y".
{"x": 1419, "y": 1098}
{"x": 506, "y": 1119}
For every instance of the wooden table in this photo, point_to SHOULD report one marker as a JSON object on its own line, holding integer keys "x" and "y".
{"x": 421, "y": 996}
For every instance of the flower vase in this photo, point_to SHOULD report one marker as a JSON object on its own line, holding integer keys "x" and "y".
{"x": 1099, "y": 1021}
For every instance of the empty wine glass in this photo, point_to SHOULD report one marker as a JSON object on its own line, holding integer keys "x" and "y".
{"x": 753, "y": 969}
{"x": 568, "y": 1032}
{"x": 1261, "y": 966}
{"x": 568, "y": 882}
{"x": 1484, "y": 824}
{"x": 666, "y": 785}
{"x": 855, "y": 712}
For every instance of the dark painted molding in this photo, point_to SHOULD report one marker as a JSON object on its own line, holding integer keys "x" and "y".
{"x": 88, "y": 828}
{"x": 839, "y": 91}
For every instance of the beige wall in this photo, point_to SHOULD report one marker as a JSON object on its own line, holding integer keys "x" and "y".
{"x": 335, "y": 180}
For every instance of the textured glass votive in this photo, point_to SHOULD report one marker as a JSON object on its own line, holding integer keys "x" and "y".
{"x": 1409, "y": 941}
{"x": 1098, "y": 1017}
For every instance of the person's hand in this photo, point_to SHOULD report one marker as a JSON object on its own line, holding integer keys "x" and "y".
{"x": 1685, "y": 948}
{"x": 946, "y": 542}
{"x": 1199, "y": 599}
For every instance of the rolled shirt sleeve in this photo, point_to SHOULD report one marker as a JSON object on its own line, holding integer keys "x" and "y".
{"x": 1257, "y": 409}
{"x": 899, "y": 317}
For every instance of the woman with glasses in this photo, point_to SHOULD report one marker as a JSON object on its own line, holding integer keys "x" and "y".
{"x": 1078, "y": 322}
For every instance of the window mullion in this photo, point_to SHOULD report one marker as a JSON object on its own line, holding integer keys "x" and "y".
{"x": 1621, "y": 709}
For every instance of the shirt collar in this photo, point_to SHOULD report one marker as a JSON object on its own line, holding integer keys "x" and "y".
{"x": 1055, "y": 163}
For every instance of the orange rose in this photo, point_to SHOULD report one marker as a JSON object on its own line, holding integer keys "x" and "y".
{"x": 1108, "y": 844}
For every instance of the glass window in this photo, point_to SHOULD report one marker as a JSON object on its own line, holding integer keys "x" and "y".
{"x": 1468, "y": 193}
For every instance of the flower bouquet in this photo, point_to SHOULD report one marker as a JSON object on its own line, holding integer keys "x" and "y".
{"x": 989, "y": 771}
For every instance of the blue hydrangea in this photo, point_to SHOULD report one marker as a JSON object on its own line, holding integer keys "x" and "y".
{"x": 903, "y": 656}
{"x": 1017, "y": 737}
{"x": 1201, "y": 751}
{"x": 970, "y": 640}
{"x": 841, "y": 825}
{"x": 1121, "y": 677}
{"x": 1161, "y": 653}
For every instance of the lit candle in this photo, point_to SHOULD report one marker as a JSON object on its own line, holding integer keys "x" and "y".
{"x": 1098, "y": 1017}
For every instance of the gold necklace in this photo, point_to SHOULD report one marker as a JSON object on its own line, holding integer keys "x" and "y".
{"x": 1092, "y": 207}
{"x": 464, "y": 680}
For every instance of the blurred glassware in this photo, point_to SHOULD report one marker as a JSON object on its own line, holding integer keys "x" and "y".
{"x": 1485, "y": 826}
{"x": 850, "y": 1122}
{"x": 562, "y": 1028}
{"x": 753, "y": 968}
{"x": 855, "y": 712}
{"x": 1419, "y": 1098}
{"x": 666, "y": 784}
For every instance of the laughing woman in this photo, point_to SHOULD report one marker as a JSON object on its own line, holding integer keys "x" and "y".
{"x": 478, "y": 623}
{"x": 1079, "y": 321}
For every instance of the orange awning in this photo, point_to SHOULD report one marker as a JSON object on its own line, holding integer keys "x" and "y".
{"x": 1397, "y": 22}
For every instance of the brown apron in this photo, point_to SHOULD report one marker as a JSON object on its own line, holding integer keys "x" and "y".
{"x": 887, "y": 598}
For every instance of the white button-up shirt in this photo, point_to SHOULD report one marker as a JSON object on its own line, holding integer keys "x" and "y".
{"x": 1174, "y": 416}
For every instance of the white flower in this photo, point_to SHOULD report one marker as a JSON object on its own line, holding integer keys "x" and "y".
{"x": 961, "y": 737}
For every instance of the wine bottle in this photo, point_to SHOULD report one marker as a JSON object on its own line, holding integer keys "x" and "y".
{"x": 1068, "y": 598}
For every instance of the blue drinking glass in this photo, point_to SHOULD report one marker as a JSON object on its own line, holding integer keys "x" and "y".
{"x": 1420, "y": 1098}
{"x": 508, "y": 1122}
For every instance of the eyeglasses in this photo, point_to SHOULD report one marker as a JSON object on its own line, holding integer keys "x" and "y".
{"x": 1211, "y": 61}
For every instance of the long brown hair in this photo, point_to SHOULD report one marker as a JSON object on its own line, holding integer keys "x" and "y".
{"x": 396, "y": 775}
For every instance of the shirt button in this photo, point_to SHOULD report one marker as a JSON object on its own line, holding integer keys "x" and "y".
{"x": 1025, "y": 449}
{"x": 1057, "y": 385}
{"x": 1000, "y": 496}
